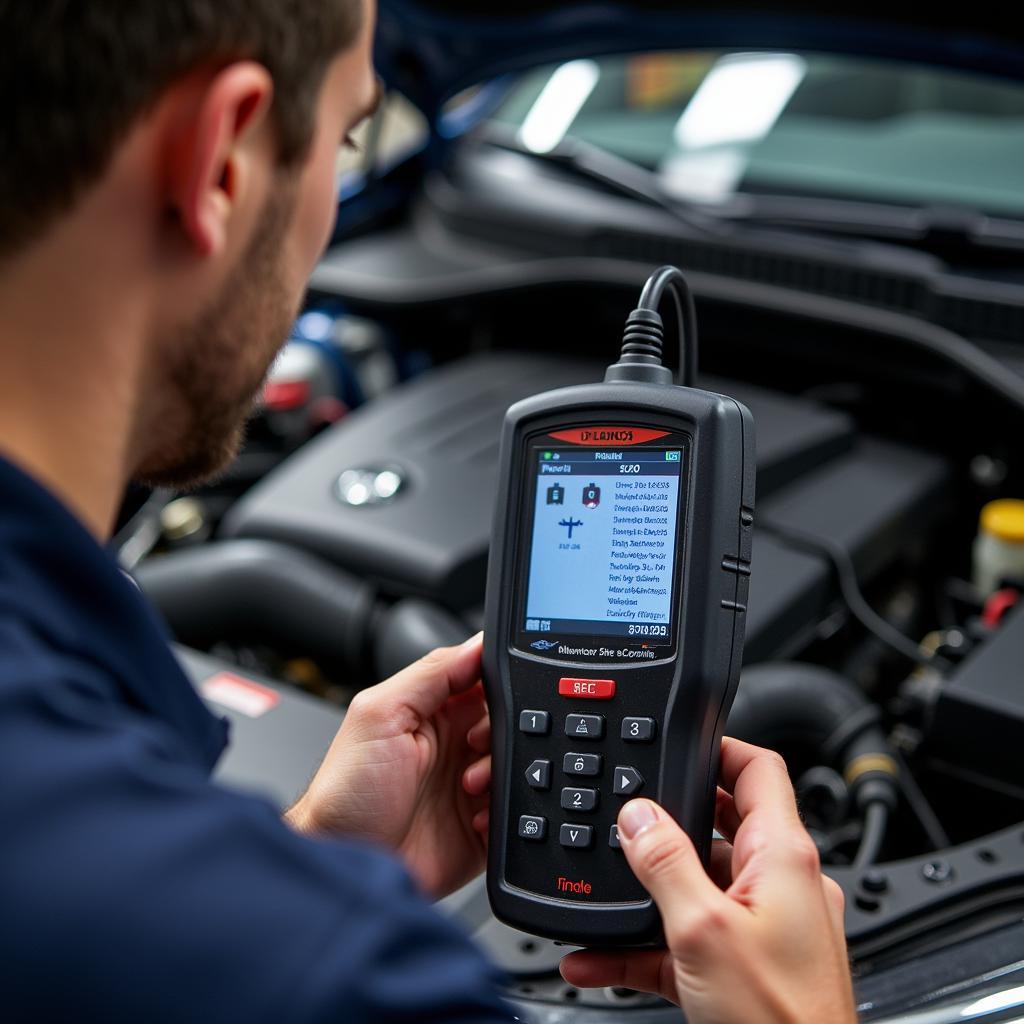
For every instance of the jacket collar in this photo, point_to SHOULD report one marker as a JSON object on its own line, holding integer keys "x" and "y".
{"x": 58, "y": 580}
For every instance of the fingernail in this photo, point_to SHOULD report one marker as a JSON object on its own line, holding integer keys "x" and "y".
{"x": 635, "y": 817}
{"x": 473, "y": 640}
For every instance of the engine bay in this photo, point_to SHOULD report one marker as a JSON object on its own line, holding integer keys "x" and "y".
{"x": 344, "y": 546}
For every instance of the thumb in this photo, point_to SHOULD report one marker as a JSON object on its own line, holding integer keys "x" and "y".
{"x": 666, "y": 863}
{"x": 426, "y": 685}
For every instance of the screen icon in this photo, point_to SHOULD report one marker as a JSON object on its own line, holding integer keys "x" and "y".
{"x": 672, "y": 456}
{"x": 556, "y": 494}
{"x": 591, "y": 496}
{"x": 571, "y": 524}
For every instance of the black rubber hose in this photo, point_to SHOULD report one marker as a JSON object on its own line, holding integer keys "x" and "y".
{"x": 781, "y": 703}
{"x": 255, "y": 591}
{"x": 876, "y": 819}
{"x": 411, "y": 628}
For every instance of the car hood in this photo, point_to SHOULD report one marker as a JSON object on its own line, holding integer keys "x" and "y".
{"x": 431, "y": 49}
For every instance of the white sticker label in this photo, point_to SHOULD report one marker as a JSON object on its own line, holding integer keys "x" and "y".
{"x": 238, "y": 694}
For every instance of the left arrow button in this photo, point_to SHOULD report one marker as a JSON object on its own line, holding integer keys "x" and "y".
{"x": 538, "y": 775}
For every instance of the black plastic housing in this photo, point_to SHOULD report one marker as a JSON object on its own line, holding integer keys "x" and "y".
{"x": 977, "y": 721}
{"x": 689, "y": 694}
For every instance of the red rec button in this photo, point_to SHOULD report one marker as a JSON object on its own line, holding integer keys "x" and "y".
{"x": 593, "y": 689}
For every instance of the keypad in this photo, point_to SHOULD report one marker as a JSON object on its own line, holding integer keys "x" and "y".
{"x": 535, "y": 723}
{"x": 584, "y": 727}
{"x": 587, "y": 766}
{"x": 637, "y": 730}
{"x": 582, "y": 764}
{"x": 579, "y": 799}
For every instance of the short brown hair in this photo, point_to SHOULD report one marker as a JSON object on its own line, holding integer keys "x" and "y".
{"x": 76, "y": 74}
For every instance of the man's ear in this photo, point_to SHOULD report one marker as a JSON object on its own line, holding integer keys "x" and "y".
{"x": 214, "y": 161}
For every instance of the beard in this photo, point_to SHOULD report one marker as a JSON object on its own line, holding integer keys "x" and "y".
{"x": 215, "y": 367}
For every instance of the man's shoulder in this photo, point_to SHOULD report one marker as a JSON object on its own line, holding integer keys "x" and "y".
{"x": 125, "y": 865}
{"x": 31, "y": 663}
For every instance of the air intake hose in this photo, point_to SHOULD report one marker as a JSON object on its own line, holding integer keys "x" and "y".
{"x": 781, "y": 703}
{"x": 256, "y": 591}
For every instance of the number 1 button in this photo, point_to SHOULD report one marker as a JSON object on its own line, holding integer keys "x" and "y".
{"x": 537, "y": 723}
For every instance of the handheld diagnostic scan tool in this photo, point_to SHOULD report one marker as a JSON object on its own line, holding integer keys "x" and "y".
{"x": 616, "y": 594}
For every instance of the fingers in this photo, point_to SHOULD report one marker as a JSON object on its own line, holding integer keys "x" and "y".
{"x": 664, "y": 860}
{"x": 645, "y": 971}
{"x": 427, "y": 684}
{"x": 727, "y": 819}
{"x": 476, "y": 780}
{"x": 770, "y": 841}
{"x": 757, "y": 778}
{"x": 482, "y": 820}
{"x": 720, "y": 863}
{"x": 836, "y": 903}
{"x": 479, "y": 737}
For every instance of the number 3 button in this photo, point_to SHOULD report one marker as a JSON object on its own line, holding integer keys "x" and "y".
{"x": 638, "y": 730}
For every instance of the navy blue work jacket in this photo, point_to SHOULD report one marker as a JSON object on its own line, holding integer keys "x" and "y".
{"x": 134, "y": 889}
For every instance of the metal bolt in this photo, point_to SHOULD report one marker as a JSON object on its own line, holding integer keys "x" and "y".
{"x": 874, "y": 881}
{"x": 937, "y": 871}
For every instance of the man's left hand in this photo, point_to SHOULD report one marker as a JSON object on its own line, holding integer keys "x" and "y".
{"x": 410, "y": 768}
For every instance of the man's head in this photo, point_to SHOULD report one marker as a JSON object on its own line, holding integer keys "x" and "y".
{"x": 199, "y": 137}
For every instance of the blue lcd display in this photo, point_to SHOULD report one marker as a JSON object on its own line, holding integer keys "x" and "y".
{"x": 603, "y": 544}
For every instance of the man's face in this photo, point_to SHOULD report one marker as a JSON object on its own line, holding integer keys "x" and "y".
{"x": 215, "y": 366}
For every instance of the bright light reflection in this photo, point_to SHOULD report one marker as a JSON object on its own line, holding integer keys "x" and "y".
{"x": 739, "y": 100}
{"x": 315, "y": 326}
{"x": 996, "y": 1001}
{"x": 555, "y": 109}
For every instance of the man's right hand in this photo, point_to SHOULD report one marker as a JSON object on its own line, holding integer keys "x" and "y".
{"x": 766, "y": 942}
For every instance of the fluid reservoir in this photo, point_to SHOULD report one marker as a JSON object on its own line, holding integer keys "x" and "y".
{"x": 999, "y": 546}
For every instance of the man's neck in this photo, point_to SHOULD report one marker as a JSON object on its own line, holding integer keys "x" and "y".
{"x": 69, "y": 360}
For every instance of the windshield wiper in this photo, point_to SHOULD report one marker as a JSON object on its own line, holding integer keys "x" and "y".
{"x": 952, "y": 233}
{"x": 604, "y": 168}
{"x": 946, "y": 230}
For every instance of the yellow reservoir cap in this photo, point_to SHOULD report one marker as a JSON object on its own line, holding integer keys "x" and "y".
{"x": 1004, "y": 519}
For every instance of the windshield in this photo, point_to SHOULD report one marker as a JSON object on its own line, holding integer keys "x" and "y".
{"x": 713, "y": 126}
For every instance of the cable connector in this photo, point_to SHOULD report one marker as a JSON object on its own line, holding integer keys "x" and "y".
{"x": 643, "y": 340}
{"x": 641, "y": 358}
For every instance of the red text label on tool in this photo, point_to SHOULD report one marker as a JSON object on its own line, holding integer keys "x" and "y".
{"x": 608, "y": 435}
{"x": 591, "y": 689}
{"x": 581, "y": 888}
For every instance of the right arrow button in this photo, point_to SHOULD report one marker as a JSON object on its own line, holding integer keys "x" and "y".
{"x": 627, "y": 781}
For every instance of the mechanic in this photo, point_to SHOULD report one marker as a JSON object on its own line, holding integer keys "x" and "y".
{"x": 167, "y": 184}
